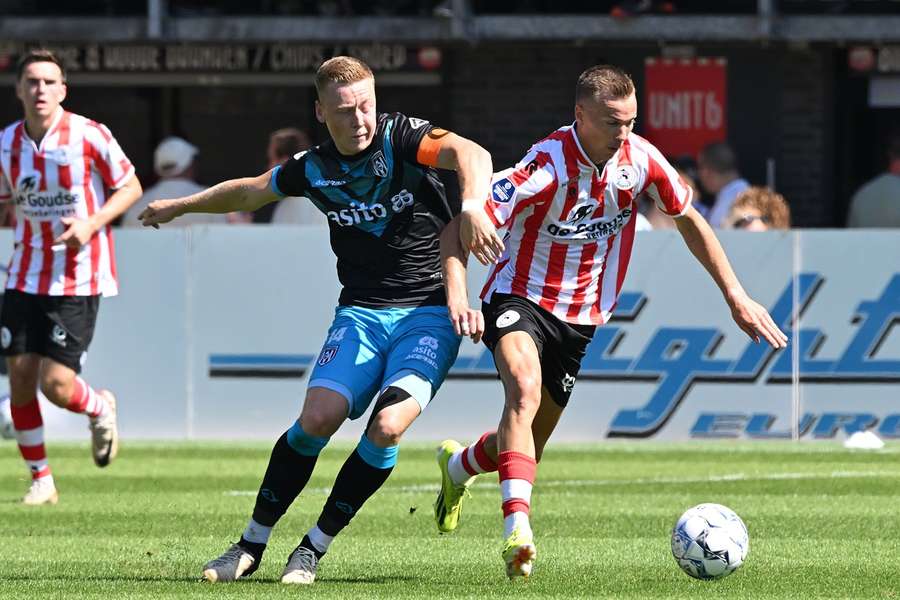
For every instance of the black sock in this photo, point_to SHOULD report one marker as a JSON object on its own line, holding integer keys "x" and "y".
{"x": 307, "y": 543}
{"x": 287, "y": 474}
{"x": 355, "y": 483}
{"x": 254, "y": 548}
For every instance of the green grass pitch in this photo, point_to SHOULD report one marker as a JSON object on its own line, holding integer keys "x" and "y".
{"x": 824, "y": 523}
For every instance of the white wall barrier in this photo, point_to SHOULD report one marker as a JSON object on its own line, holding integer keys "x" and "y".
{"x": 216, "y": 329}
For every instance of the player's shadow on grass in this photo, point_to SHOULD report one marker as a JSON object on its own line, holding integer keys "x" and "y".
{"x": 101, "y": 578}
{"x": 376, "y": 579}
{"x": 373, "y": 579}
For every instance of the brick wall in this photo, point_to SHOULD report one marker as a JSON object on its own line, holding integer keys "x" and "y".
{"x": 507, "y": 96}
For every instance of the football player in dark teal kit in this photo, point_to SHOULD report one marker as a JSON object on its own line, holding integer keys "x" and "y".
{"x": 391, "y": 339}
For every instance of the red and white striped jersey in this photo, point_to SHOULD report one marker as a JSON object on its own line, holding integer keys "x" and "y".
{"x": 570, "y": 226}
{"x": 66, "y": 175}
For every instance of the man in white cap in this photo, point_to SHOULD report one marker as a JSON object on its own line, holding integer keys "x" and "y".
{"x": 173, "y": 161}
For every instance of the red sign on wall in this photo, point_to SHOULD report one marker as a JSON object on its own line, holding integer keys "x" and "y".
{"x": 685, "y": 104}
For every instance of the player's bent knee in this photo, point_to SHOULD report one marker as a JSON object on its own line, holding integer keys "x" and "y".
{"x": 386, "y": 429}
{"x": 524, "y": 395}
{"x": 323, "y": 412}
{"x": 319, "y": 423}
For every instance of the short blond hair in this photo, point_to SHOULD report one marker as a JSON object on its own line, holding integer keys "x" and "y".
{"x": 603, "y": 82}
{"x": 771, "y": 205}
{"x": 341, "y": 69}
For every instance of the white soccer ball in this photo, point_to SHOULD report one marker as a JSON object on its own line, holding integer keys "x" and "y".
{"x": 7, "y": 431}
{"x": 710, "y": 541}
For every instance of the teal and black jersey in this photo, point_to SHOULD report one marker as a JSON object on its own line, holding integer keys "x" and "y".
{"x": 385, "y": 212}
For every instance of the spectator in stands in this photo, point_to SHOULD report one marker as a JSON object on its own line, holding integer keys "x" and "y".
{"x": 759, "y": 209}
{"x": 718, "y": 174}
{"x": 877, "y": 202}
{"x": 174, "y": 162}
{"x": 292, "y": 210}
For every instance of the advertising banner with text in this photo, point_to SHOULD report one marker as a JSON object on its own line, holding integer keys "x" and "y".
{"x": 217, "y": 328}
{"x": 685, "y": 104}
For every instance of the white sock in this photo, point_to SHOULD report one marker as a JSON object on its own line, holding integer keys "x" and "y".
{"x": 96, "y": 405}
{"x": 320, "y": 540}
{"x": 256, "y": 533}
{"x": 516, "y": 520}
{"x": 456, "y": 469}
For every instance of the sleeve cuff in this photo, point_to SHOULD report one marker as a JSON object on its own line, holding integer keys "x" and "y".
{"x": 273, "y": 181}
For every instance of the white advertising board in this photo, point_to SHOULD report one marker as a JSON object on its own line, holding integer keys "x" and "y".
{"x": 217, "y": 327}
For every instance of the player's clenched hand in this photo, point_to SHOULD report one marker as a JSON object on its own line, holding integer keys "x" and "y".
{"x": 479, "y": 236}
{"x": 159, "y": 212}
{"x": 756, "y": 321}
{"x": 466, "y": 321}
{"x": 78, "y": 232}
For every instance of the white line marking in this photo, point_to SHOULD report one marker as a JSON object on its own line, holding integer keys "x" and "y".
{"x": 729, "y": 477}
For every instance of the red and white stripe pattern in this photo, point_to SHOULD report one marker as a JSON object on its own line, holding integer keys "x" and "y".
{"x": 517, "y": 472}
{"x": 570, "y": 226}
{"x": 472, "y": 460}
{"x": 30, "y": 436}
{"x": 66, "y": 175}
{"x": 85, "y": 400}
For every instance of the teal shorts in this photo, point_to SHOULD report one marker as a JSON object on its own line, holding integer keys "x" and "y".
{"x": 366, "y": 349}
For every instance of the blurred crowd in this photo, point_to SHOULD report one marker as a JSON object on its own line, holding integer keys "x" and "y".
{"x": 175, "y": 165}
{"x": 728, "y": 201}
{"x": 721, "y": 194}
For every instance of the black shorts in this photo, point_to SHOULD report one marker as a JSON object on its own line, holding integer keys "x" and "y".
{"x": 561, "y": 345}
{"x": 58, "y": 327}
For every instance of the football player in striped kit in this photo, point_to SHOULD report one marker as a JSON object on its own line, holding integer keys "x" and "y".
{"x": 391, "y": 340}
{"x": 57, "y": 168}
{"x": 568, "y": 208}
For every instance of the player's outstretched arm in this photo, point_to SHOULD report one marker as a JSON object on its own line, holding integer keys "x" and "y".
{"x": 474, "y": 167}
{"x": 749, "y": 315}
{"x": 80, "y": 231}
{"x": 246, "y": 194}
{"x": 466, "y": 321}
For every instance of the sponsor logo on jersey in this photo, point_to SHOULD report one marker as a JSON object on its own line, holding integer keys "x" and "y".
{"x": 329, "y": 182}
{"x": 581, "y": 212}
{"x": 416, "y": 123}
{"x": 28, "y": 183}
{"x": 625, "y": 177}
{"x": 358, "y": 212}
{"x": 503, "y": 191}
{"x": 591, "y": 230}
{"x": 378, "y": 164}
{"x": 5, "y": 337}
{"x": 30, "y": 197}
{"x": 507, "y": 319}
{"x": 567, "y": 383}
